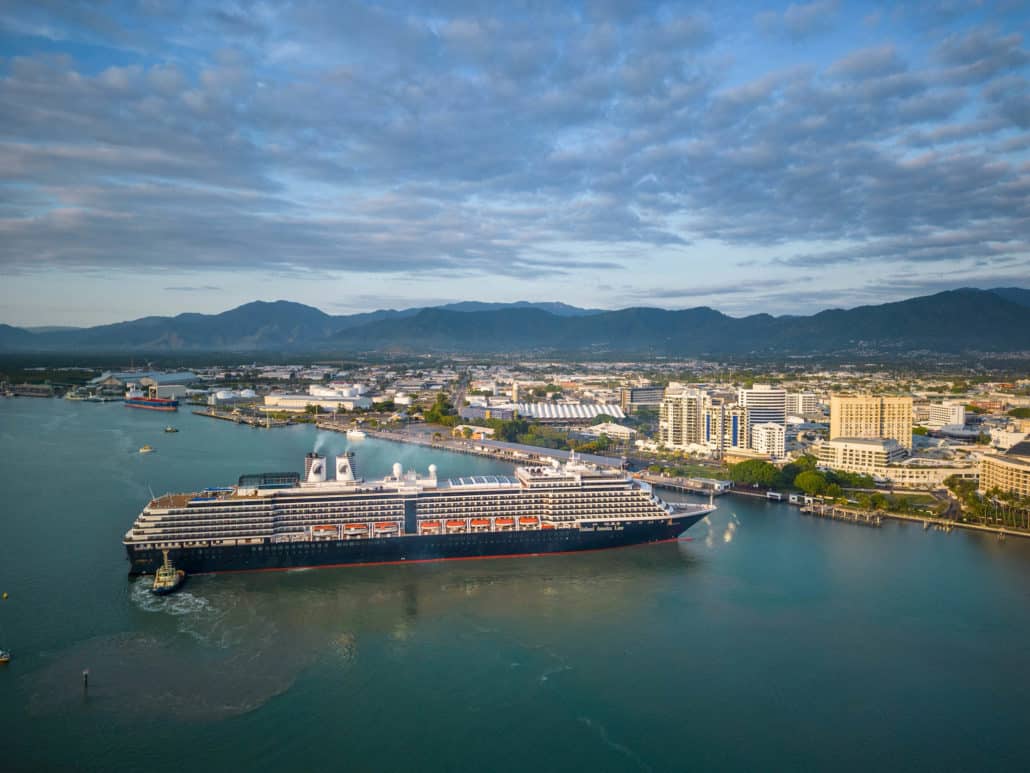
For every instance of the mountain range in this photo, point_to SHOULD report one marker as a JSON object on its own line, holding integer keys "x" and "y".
{"x": 954, "y": 321}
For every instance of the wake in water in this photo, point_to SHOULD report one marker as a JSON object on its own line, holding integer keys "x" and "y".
{"x": 178, "y": 604}
{"x": 620, "y": 748}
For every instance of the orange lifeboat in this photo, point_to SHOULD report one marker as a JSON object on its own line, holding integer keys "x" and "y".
{"x": 323, "y": 528}
{"x": 480, "y": 521}
{"x": 504, "y": 523}
{"x": 355, "y": 527}
{"x": 429, "y": 527}
{"x": 546, "y": 525}
{"x": 455, "y": 525}
{"x": 386, "y": 526}
{"x": 530, "y": 521}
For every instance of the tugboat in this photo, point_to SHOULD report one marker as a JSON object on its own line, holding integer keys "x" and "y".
{"x": 170, "y": 428}
{"x": 167, "y": 579}
{"x": 5, "y": 657}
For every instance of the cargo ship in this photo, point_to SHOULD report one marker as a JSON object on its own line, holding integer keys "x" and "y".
{"x": 281, "y": 520}
{"x": 137, "y": 398}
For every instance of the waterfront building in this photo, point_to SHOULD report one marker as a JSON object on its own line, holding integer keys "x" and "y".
{"x": 769, "y": 438}
{"x": 860, "y": 455}
{"x": 871, "y": 417}
{"x": 885, "y": 460}
{"x": 681, "y": 418}
{"x": 1008, "y": 472}
{"x": 299, "y": 403}
{"x": 764, "y": 404}
{"x": 725, "y": 428}
{"x": 33, "y": 390}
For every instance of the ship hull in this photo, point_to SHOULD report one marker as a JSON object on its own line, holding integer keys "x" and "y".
{"x": 410, "y": 548}
{"x": 152, "y": 404}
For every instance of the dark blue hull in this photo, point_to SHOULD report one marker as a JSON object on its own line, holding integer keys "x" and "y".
{"x": 406, "y": 548}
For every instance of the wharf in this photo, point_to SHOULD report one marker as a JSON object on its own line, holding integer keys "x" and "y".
{"x": 876, "y": 518}
{"x": 688, "y": 485}
{"x": 254, "y": 421}
{"x": 510, "y": 453}
{"x": 846, "y": 514}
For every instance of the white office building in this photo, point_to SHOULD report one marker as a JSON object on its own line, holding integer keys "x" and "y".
{"x": 801, "y": 403}
{"x": 945, "y": 414}
{"x": 769, "y": 438}
{"x": 764, "y": 404}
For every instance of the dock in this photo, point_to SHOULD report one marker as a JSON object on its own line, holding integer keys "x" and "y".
{"x": 846, "y": 514}
{"x": 261, "y": 422}
{"x": 510, "y": 453}
{"x": 706, "y": 486}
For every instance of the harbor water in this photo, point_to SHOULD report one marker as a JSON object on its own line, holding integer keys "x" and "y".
{"x": 766, "y": 641}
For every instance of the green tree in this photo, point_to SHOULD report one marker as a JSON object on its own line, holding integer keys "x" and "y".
{"x": 811, "y": 482}
{"x": 754, "y": 471}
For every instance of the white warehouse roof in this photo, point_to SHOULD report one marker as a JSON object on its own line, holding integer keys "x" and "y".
{"x": 568, "y": 410}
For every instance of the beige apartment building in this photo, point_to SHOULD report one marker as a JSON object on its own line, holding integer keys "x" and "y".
{"x": 884, "y": 459}
{"x": 1008, "y": 472}
{"x": 873, "y": 417}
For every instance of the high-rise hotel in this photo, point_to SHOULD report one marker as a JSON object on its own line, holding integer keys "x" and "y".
{"x": 869, "y": 416}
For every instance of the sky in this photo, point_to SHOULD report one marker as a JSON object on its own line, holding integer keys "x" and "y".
{"x": 159, "y": 156}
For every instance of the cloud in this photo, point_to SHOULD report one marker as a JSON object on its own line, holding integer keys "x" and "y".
{"x": 448, "y": 142}
{"x": 192, "y": 288}
{"x": 799, "y": 20}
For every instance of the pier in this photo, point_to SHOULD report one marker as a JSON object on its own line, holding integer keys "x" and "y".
{"x": 510, "y": 453}
{"x": 261, "y": 422}
{"x": 707, "y": 486}
{"x": 846, "y": 514}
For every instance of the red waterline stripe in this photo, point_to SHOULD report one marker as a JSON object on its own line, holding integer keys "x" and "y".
{"x": 454, "y": 558}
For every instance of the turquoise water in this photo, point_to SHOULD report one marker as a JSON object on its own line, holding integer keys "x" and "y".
{"x": 768, "y": 641}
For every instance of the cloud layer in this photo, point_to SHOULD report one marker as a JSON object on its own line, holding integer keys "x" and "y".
{"x": 570, "y": 140}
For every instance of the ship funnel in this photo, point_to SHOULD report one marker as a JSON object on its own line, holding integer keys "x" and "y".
{"x": 398, "y": 471}
{"x": 345, "y": 470}
{"x": 432, "y": 471}
{"x": 314, "y": 468}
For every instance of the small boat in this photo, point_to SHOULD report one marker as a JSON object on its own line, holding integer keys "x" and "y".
{"x": 146, "y": 450}
{"x": 170, "y": 428}
{"x": 5, "y": 657}
{"x": 167, "y": 579}
{"x": 355, "y": 434}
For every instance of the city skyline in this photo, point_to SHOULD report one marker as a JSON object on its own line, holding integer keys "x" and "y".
{"x": 749, "y": 157}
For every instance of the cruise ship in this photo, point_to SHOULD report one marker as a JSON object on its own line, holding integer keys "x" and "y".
{"x": 288, "y": 520}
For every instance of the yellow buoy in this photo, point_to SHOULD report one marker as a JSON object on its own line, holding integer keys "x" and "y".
{"x": 5, "y": 595}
